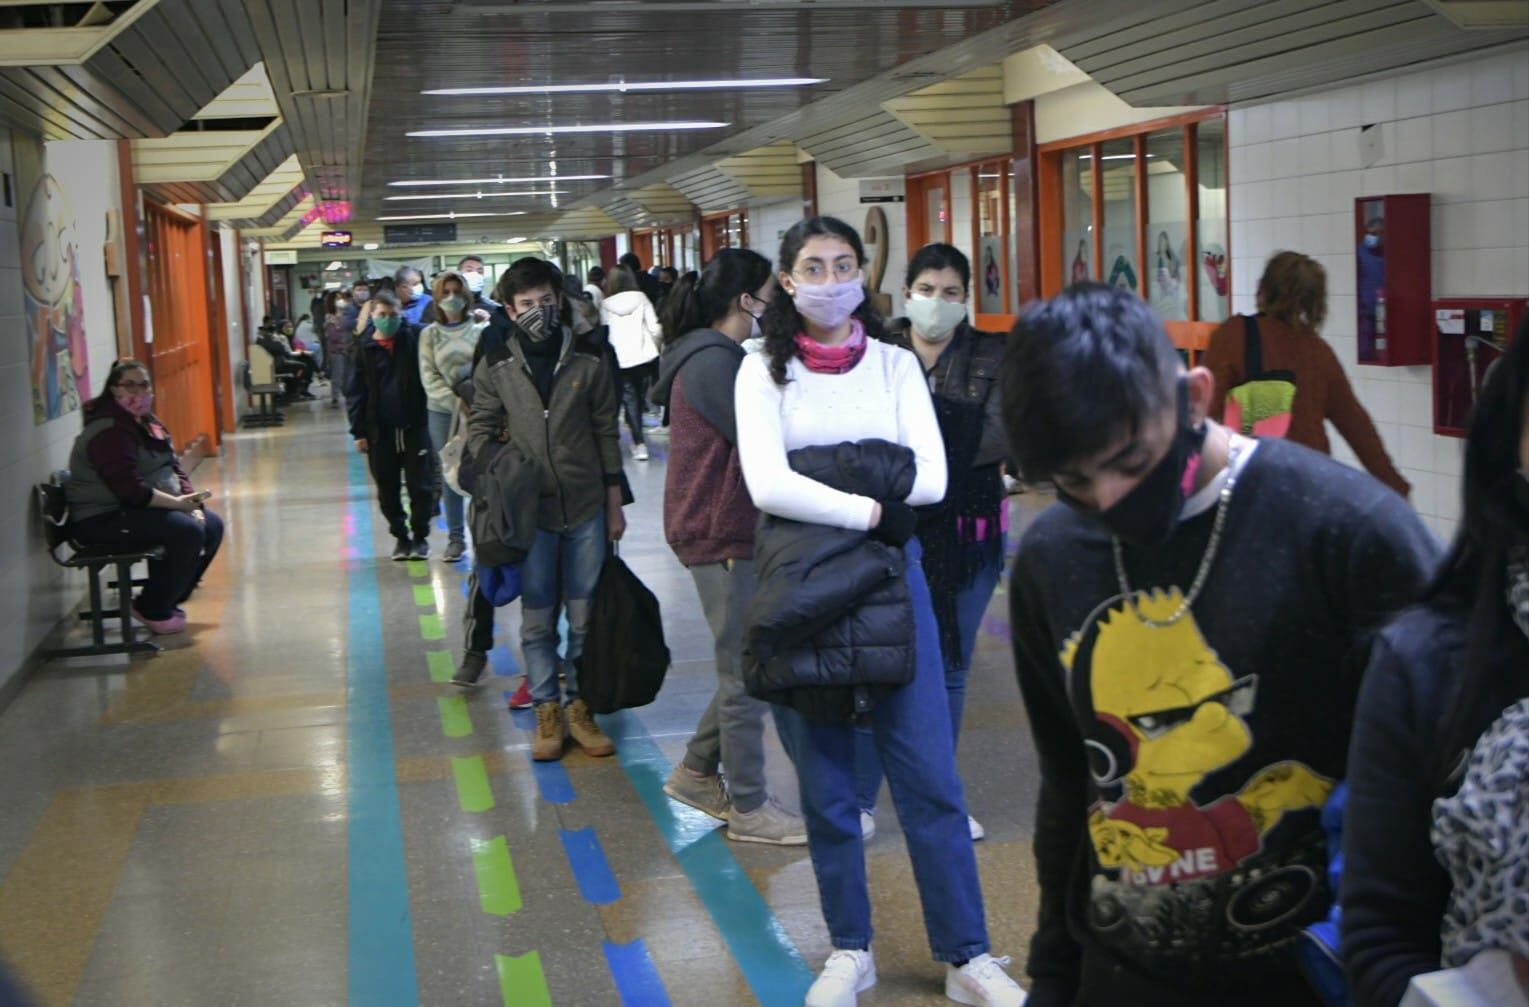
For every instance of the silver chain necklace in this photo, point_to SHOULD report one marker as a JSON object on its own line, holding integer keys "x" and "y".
{"x": 1203, "y": 574}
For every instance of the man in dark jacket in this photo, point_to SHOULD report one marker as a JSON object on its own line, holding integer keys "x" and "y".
{"x": 1189, "y": 636}
{"x": 387, "y": 406}
{"x": 550, "y": 394}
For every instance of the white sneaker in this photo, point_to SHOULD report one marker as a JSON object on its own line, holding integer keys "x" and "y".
{"x": 639, "y": 452}
{"x": 867, "y": 826}
{"x": 982, "y": 982}
{"x": 845, "y": 976}
{"x": 978, "y": 832}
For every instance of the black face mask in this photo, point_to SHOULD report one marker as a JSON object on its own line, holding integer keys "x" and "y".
{"x": 1148, "y": 514}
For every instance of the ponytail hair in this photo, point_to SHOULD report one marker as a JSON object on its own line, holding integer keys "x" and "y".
{"x": 781, "y": 322}
{"x": 704, "y": 299}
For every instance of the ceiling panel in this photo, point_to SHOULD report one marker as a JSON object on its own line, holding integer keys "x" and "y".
{"x": 155, "y": 70}
{"x": 432, "y": 44}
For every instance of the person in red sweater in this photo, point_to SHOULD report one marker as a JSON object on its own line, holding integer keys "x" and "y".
{"x": 1277, "y": 377}
{"x": 709, "y": 520}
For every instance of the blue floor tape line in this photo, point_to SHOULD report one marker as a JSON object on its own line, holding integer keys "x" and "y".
{"x": 637, "y": 980}
{"x": 764, "y": 952}
{"x": 596, "y": 880}
{"x": 382, "y": 971}
{"x": 502, "y": 662}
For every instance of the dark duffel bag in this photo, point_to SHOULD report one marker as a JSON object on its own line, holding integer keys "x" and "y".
{"x": 625, "y": 657}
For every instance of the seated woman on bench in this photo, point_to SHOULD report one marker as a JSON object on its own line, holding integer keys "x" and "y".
{"x": 127, "y": 490}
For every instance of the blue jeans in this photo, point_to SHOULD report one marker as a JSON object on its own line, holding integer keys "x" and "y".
{"x": 560, "y": 571}
{"x": 911, "y": 731}
{"x": 971, "y": 606}
{"x": 440, "y": 432}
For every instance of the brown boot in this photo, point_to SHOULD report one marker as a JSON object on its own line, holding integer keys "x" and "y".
{"x": 586, "y": 732}
{"x": 551, "y": 732}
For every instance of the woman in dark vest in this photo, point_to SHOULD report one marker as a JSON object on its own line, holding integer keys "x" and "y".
{"x": 127, "y": 490}
{"x": 962, "y": 535}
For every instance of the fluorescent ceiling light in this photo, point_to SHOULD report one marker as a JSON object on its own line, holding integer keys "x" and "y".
{"x": 514, "y": 241}
{"x": 628, "y": 86}
{"x": 606, "y": 127}
{"x": 1113, "y": 157}
{"x": 473, "y": 195}
{"x": 371, "y": 246}
{"x": 453, "y": 216}
{"x": 501, "y": 180}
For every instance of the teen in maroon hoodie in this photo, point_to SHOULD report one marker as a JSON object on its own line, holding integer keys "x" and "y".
{"x": 709, "y": 521}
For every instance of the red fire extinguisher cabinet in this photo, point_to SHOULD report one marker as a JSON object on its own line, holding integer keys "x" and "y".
{"x": 1392, "y": 238}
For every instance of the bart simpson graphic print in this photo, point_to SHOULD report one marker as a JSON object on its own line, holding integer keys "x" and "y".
{"x": 1161, "y": 713}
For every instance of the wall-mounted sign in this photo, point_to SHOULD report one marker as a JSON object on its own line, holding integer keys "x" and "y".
{"x": 420, "y": 234}
{"x": 883, "y": 190}
{"x": 336, "y": 239}
{"x": 281, "y": 257}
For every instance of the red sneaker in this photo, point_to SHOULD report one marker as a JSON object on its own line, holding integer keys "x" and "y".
{"x": 522, "y": 698}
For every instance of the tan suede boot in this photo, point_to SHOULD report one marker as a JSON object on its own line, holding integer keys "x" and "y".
{"x": 586, "y": 732}
{"x": 551, "y": 732}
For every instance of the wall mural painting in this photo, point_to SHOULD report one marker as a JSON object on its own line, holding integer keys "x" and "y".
{"x": 53, "y": 296}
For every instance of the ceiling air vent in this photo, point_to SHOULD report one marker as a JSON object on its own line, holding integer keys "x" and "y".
{"x": 1483, "y": 14}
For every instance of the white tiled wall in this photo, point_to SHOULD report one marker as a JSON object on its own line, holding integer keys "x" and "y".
{"x": 38, "y": 594}
{"x": 840, "y": 197}
{"x": 768, "y": 222}
{"x": 1460, "y": 132}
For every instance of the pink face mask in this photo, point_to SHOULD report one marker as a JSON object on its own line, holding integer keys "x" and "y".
{"x": 139, "y": 404}
{"x": 829, "y": 304}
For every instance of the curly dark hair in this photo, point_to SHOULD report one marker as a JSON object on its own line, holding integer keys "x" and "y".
{"x": 781, "y": 322}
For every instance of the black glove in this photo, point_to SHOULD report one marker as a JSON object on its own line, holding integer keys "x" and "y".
{"x": 898, "y": 523}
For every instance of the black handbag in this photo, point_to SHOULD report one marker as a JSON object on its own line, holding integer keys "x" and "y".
{"x": 625, "y": 657}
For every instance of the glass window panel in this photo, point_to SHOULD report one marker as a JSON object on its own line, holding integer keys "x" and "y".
{"x": 1078, "y": 215}
{"x": 988, "y": 280}
{"x": 1213, "y": 274}
{"x": 1119, "y": 188}
{"x": 1167, "y": 279}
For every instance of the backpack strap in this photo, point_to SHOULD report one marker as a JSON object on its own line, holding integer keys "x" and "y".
{"x": 1252, "y": 349}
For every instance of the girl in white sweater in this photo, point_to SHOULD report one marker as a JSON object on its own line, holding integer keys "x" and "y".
{"x": 825, "y": 378}
{"x": 446, "y": 348}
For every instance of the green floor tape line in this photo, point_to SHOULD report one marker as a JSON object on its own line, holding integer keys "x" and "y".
{"x": 521, "y": 981}
{"x": 418, "y": 568}
{"x": 472, "y": 783}
{"x": 424, "y": 595}
{"x": 455, "y": 720}
{"x": 441, "y": 668}
{"x": 431, "y": 627}
{"x": 498, "y": 891}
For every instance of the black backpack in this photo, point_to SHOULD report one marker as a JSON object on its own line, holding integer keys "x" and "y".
{"x": 625, "y": 657}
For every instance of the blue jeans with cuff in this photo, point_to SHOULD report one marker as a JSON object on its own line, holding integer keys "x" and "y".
{"x": 910, "y": 729}
{"x": 559, "y": 572}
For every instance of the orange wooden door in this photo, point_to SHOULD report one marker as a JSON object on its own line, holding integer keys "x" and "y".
{"x": 180, "y": 354}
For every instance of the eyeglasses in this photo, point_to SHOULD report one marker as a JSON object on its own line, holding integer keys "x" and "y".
{"x": 816, "y": 272}
{"x": 1238, "y": 698}
{"x": 135, "y": 386}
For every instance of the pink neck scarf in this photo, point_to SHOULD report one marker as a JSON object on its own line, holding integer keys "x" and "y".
{"x": 841, "y": 359}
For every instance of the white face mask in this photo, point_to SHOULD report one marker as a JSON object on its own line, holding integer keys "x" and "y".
{"x": 474, "y": 282}
{"x": 935, "y": 318}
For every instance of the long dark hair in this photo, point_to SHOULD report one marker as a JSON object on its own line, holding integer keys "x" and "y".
{"x": 114, "y": 378}
{"x": 1473, "y": 579}
{"x": 704, "y": 299}
{"x": 781, "y": 322}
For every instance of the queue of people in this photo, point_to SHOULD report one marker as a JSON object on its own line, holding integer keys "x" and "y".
{"x": 1207, "y": 580}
